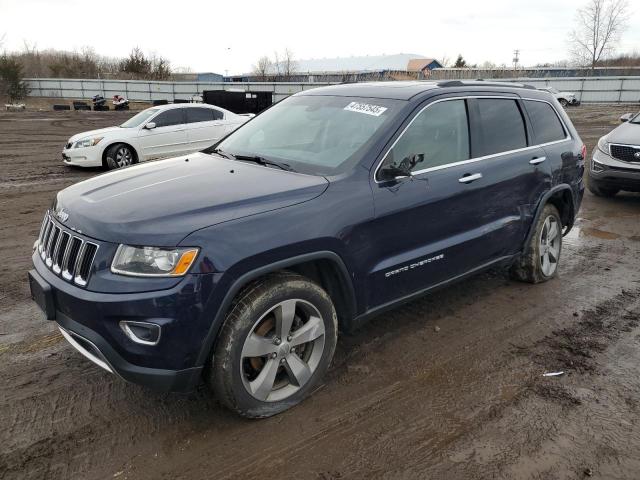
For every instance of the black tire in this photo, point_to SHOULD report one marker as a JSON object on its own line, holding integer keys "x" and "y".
{"x": 600, "y": 191}
{"x": 530, "y": 266}
{"x": 564, "y": 102}
{"x": 119, "y": 155}
{"x": 232, "y": 375}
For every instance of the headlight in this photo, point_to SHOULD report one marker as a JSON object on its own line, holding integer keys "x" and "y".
{"x": 603, "y": 145}
{"x": 153, "y": 261}
{"x": 87, "y": 142}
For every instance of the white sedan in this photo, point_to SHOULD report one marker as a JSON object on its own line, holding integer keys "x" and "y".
{"x": 157, "y": 132}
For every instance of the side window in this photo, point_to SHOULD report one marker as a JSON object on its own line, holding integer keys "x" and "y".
{"x": 175, "y": 116}
{"x": 217, "y": 114}
{"x": 502, "y": 126}
{"x": 437, "y": 136}
{"x": 196, "y": 114}
{"x": 546, "y": 124}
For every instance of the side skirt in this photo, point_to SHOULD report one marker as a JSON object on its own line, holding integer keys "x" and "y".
{"x": 364, "y": 318}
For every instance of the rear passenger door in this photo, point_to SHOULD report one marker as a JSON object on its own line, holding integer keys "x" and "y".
{"x": 520, "y": 172}
{"x": 551, "y": 133}
{"x": 205, "y": 126}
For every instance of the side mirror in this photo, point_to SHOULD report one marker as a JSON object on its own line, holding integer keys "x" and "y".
{"x": 626, "y": 117}
{"x": 150, "y": 125}
{"x": 401, "y": 170}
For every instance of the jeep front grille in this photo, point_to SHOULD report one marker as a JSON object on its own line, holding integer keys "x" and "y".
{"x": 65, "y": 253}
{"x": 626, "y": 153}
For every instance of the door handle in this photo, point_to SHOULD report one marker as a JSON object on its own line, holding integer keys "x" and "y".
{"x": 470, "y": 178}
{"x": 536, "y": 161}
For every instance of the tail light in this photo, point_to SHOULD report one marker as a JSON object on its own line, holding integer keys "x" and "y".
{"x": 583, "y": 152}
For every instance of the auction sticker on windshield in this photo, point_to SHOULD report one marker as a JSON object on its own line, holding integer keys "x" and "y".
{"x": 366, "y": 108}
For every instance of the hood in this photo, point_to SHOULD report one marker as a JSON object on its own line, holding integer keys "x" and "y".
{"x": 94, "y": 133}
{"x": 566, "y": 94}
{"x": 159, "y": 203}
{"x": 627, "y": 133}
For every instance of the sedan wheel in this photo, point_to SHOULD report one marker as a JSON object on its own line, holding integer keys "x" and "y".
{"x": 119, "y": 156}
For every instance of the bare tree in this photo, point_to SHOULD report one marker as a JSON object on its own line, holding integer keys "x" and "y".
{"x": 289, "y": 64}
{"x": 600, "y": 24}
{"x": 444, "y": 61}
{"x": 263, "y": 68}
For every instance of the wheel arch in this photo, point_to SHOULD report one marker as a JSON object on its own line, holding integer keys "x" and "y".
{"x": 561, "y": 197}
{"x": 323, "y": 267}
{"x": 136, "y": 157}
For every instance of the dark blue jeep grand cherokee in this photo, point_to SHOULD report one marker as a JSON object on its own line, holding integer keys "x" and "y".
{"x": 240, "y": 264}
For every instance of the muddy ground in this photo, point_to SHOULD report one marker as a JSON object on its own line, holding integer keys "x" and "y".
{"x": 404, "y": 399}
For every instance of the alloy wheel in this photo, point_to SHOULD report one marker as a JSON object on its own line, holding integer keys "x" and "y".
{"x": 549, "y": 245}
{"x": 124, "y": 157}
{"x": 283, "y": 350}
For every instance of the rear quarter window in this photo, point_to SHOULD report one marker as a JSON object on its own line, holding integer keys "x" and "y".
{"x": 502, "y": 126}
{"x": 546, "y": 124}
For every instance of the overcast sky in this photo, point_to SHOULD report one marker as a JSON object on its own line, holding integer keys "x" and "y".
{"x": 230, "y": 35}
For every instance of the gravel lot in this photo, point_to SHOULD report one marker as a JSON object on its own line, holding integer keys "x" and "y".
{"x": 404, "y": 399}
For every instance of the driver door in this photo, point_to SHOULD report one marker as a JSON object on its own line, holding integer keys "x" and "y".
{"x": 168, "y": 138}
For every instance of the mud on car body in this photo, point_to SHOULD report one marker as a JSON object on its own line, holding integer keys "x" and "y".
{"x": 240, "y": 264}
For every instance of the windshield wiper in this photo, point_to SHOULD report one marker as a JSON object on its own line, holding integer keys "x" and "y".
{"x": 263, "y": 161}
{"x": 221, "y": 153}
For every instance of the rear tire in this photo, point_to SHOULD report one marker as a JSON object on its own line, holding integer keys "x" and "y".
{"x": 539, "y": 262}
{"x": 275, "y": 346}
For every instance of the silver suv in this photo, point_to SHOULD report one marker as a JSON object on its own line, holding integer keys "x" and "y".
{"x": 616, "y": 161}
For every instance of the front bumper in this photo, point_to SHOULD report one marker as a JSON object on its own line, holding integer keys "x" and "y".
{"x": 90, "y": 321}
{"x": 613, "y": 173}
{"x": 574, "y": 102}
{"x": 83, "y": 157}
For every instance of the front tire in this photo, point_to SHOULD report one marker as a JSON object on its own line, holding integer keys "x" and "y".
{"x": 539, "y": 262}
{"x": 119, "y": 155}
{"x": 275, "y": 346}
{"x": 564, "y": 103}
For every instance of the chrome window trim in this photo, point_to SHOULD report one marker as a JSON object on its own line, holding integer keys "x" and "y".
{"x": 476, "y": 159}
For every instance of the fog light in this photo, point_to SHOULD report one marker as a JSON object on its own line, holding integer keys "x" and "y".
{"x": 144, "y": 333}
{"x": 596, "y": 167}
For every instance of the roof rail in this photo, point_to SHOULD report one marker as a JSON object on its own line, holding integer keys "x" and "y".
{"x": 461, "y": 83}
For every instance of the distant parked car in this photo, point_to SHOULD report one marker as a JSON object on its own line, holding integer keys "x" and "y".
{"x": 565, "y": 98}
{"x": 615, "y": 164}
{"x": 156, "y": 132}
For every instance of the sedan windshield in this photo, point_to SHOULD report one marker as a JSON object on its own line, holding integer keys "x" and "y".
{"x": 635, "y": 119}
{"x": 140, "y": 118}
{"x": 312, "y": 134}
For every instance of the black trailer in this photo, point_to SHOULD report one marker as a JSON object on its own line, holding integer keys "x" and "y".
{"x": 238, "y": 102}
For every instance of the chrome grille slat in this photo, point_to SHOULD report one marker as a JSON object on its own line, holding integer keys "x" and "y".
{"x": 64, "y": 253}
{"x": 51, "y": 246}
{"x": 60, "y": 252}
{"x": 45, "y": 238}
{"x": 84, "y": 263}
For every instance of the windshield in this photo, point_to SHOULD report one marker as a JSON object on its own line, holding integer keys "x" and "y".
{"x": 313, "y": 134}
{"x": 140, "y": 118}
{"x": 635, "y": 119}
